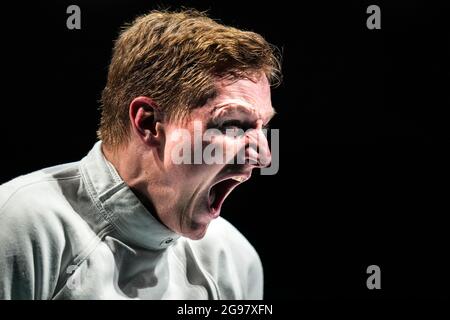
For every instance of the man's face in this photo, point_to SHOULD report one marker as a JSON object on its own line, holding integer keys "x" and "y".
{"x": 219, "y": 146}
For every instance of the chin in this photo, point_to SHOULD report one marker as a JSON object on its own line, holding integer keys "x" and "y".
{"x": 196, "y": 231}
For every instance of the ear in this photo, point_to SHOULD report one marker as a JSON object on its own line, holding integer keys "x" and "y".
{"x": 146, "y": 121}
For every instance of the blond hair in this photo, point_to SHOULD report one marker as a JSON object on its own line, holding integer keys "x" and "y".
{"x": 174, "y": 58}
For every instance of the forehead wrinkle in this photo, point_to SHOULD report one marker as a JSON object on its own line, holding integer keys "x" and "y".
{"x": 230, "y": 107}
{"x": 221, "y": 109}
{"x": 245, "y": 95}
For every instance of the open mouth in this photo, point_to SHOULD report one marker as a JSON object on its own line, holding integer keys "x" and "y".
{"x": 219, "y": 191}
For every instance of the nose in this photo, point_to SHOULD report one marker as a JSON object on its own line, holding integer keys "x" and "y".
{"x": 257, "y": 151}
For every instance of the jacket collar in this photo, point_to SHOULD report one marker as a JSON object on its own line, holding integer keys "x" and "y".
{"x": 120, "y": 207}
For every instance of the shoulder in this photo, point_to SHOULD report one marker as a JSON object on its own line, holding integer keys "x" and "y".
{"x": 37, "y": 206}
{"x": 35, "y": 216}
{"x": 34, "y": 205}
{"x": 36, "y": 191}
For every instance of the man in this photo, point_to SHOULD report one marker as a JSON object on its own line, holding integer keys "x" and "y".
{"x": 129, "y": 221}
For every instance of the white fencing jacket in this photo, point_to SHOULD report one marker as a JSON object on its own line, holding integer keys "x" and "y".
{"x": 76, "y": 231}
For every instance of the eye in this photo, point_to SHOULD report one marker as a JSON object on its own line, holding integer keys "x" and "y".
{"x": 233, "y": 125}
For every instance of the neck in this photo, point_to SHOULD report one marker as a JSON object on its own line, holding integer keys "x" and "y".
{"x": 126, "y": 163}
{"x": 139, "y": 171}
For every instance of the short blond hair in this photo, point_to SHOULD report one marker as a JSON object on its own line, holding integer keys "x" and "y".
{"x": 174, "y": 58}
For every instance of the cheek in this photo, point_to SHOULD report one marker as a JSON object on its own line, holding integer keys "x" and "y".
{"x": 233, "y": 147}
{"x": 178, "y": 149}
{"x": 220, "y": 149}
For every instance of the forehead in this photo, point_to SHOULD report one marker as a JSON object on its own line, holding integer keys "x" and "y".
{"x": 239, "y": 97}
{"x": 253, "y": 91}
{"x": 245, "y": 94}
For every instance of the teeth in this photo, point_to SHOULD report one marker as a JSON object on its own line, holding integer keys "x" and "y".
{"x": 239, "y": 179}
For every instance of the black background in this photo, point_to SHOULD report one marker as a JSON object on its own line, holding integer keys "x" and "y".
{"x": 361, "y": 116}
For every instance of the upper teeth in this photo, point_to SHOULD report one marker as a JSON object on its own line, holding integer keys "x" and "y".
{"x": 239, "y": 179}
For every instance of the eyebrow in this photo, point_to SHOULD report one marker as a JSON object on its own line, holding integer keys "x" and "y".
{"x": 242, "y": 108}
